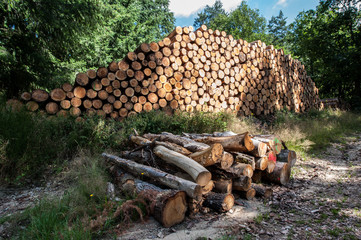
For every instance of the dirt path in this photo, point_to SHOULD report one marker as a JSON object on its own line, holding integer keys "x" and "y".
{"x": 322, "y": 201}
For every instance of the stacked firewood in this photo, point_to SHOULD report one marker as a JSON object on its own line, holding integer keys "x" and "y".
{"x": 202, "y": 70}
{"x": 203, "y": 170}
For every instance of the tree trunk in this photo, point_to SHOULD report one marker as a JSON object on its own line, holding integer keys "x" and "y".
{"x": 209, "y": 156}
{"x": 223, "y": 186}
{"x": 262, "y": 191}
{"x": 280, "y": 175}
{"x": 192, "y": 189}
{"x": 220, "y": 202}
{"x": 249, "y": 194}
{"x": 244, "y": 158}
{"x": 238, "y": 143}
{"x": 242, "y": 183}
{"x": 287, "y": 156}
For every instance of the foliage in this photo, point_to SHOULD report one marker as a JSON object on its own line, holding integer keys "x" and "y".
{"x": 44, "y": 43}
{"x": 277, "y": 28}
{"x": 242, "y": 23}
{"x": 209, "y": 13}
{"x": 28, "y": 143}
{"x": 328, "y": 42}
{"x": 316, "y": 130}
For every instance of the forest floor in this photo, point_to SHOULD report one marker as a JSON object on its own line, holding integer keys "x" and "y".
{"x": 322, "y": 201}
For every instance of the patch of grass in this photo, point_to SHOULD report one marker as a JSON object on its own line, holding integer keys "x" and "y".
{"x": 314, "y": 131}
{"x": 30, "y": 142}
{"x": 334, "y": 232}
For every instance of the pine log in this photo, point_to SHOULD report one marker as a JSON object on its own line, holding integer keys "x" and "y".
{"x": 82, "y": 79}
{"x": 260, "y": 148}
{"x": 238, "y": 169}
{"x": 26, "y": 96}
{"x": 271, "y": 161}
{"x": 167, "y": 206}
{"x": 57, "y": 94}
{"x": 272, "y": 141}
{"x": 52, "y": 108}
{"x": 244, "y": 158}
{"x": 192, "y": 189}
{"x": 262, "y": 191}
{"x": 32, "y": 106}
{"x": 243, "y": 183}
{"x": 209, "y": 156}
{"x": 227, "y": 160}
{"x": 239, "y": 143}
{"x": 249, "y": 194}
{"x": 189, "y": 144}
{"x": 261, "y": 163}
{"x": 223, "y": 186}
{"x": 287, "y": 156}
{"x": 220, "y": 202}
{"x": 199, "y": 174}
{"x": 39, "y": 95}
{"x": 280, "y": 174}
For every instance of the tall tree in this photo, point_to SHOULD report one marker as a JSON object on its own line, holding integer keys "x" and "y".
{"x": 243, "y": 22}
{"x": 277, "y": 28}
{"x": 328, "y": 40}
{"x": 209, "y": 13}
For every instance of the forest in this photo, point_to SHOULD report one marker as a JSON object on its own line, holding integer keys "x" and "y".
{"x": 44, "y": 44}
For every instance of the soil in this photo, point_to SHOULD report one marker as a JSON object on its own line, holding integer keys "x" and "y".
{"x": 322, "y": 201}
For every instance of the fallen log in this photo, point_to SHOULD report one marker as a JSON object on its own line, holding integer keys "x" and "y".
{"x": 244, "y": 158}
{"x": 192, "y": 189}
{"x": 199, "y": 174}
{"x": 227, "y": 160}
{"x": 257, "y": 176}
{"x": 242, "y": 183}
{"x": 287, "y": 156}
{"x": 223, "y": 186}
{"x": 280, "y": 175}
{"x": 260, "y": 148}
{"x": 249, "y": 194}
{"x": 262, "y": 191}
{"x": 167, "y": 206}
{"x": 261, "y": 163}
{"x": 272, "y": 141}
{"x": 209, "y": 156}
{"x": 220, "y": 202}
{"x": 238, "y": 169}
{"x": 238, "y": 143}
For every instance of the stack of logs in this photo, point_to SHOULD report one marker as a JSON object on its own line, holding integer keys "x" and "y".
{"x": 203, "y": 170}
{"x": 202, "y": 70}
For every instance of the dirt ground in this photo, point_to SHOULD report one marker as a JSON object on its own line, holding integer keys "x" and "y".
{"x": 322, "y": 201}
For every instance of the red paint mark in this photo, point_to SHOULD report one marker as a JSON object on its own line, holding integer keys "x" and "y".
{"x": 272, "y": 157}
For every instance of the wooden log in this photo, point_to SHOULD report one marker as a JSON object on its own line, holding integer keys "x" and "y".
{"x": 239, "y": 143}
{"x": 238, "y": 169}
{"x": 287, "y": 156}
{"x": 271, "y": 161}
{"x": 243, "y": 183}
{"x": 199, "y": 174}
{"x": 272, "y": 141}
{"x": 79, "y": 92}
{"x": 187, "y": 143}
{"x": 280, "y": 174}
{"x": 262, "y": 191}
{"x": 220, "y": 202}
{"x": 32, "y": 106}
{"x": 260, "y": 148}
{"x": 208, "y": 187}
{"x": 227, "y": 160}
{"x": 52, "y": 108}
{"x": 39, "y": 95}
{"x": 57, "y": 94}
{"x": 192, "y": 189}
{"x": 167, "y": 206}
{"x": 209, "y": 156}
{"x": 245, "y": 158}
{"x": 26, "y": 96}
{"x": 261, "y": 163}
{"x": 249, "y": 194}
{"x": 82, "y": 79}
{"x": 223, "y": 186}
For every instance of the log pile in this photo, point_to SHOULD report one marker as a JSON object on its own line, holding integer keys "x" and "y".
{"x": 201, "y": 171}
{"x": 201, "y": 70}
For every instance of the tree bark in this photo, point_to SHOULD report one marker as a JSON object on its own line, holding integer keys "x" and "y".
{"x": 220, "y": 202}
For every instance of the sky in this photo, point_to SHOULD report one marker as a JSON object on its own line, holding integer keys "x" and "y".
{"x": 185, "y": 11}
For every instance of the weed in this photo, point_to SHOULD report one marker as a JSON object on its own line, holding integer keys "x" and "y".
{"x": 334, "y": 232}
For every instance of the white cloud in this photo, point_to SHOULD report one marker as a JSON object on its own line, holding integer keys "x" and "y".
{"x": 282, "y": 3}
{"x": 184, "y": 8}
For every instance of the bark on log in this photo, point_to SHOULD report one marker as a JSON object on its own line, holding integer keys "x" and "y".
{"x": 39, "y": 95}
{"x": 192, "y": 189}
{"x": 287, "y": 156}
{"x": 249, "y": 194}
{"x": 199, "y": 174}
{"x": 223, "y": 186}
{"x": 239, "y": 143}
{"x": 227, "y": 160}
{"x": 243, "y": 183}
{"x": 261, "y": 163}
{"x": 272, "y": 141}
{"x": 238, "y": 169}
{"x": 244, "y": 158}
{"x": 262, "y": 191}
{"x": 260, "y": 148}
{"x": 209, "y": 156}
{"x": 280, "y": 175}
{"x": 220, "y": 202}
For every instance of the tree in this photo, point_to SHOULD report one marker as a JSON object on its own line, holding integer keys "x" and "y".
{"x": 243, "y": 22}
{"x": 209, "y": 13}
{"x": 328, "y": 41}
{"x": 277, "y": 28}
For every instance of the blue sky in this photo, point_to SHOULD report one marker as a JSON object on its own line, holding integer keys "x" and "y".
{"x": 186, "y": 10}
